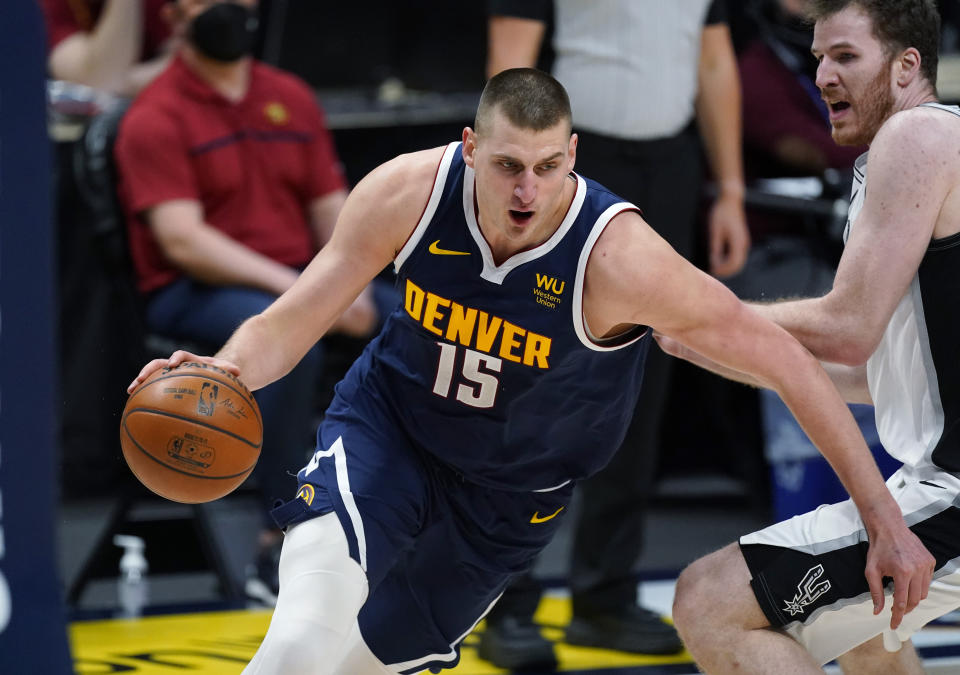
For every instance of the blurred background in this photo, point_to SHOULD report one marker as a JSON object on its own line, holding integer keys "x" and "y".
{"x": 394, "y": 77}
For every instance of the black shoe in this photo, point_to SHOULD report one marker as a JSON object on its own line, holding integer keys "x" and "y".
{"x": 632, "y": 629}
{"x": 513, "y": 644}
{"x": 262, "y": 584}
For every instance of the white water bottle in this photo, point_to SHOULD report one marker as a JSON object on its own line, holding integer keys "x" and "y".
{"x": 132, "y": 588}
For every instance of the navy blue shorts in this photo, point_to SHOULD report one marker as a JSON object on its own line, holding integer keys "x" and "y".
{"x": 437, "y": 550}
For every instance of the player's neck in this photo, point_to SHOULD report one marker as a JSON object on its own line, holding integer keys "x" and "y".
{"x": 231, "y": 80}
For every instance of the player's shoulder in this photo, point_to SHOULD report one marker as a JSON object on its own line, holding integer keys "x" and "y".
{"x": 402, "y": 185}
{"x": 411, "y": 171}
{"x": 927, "y": 129}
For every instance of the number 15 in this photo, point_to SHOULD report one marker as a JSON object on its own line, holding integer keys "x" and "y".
{"x": 481, "y": 392}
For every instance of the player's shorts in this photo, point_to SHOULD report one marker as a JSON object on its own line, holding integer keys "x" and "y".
{"x": 437, "y": 549}
{"x": 808, "y": 572}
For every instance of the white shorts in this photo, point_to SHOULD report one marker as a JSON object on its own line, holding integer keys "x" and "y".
{"x": 808, "y": 572}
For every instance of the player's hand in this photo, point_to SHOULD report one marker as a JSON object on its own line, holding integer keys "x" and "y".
{"x": 174, "y": 360}
{"x": 729, "y": 236}
{"x": 898, "y": 553}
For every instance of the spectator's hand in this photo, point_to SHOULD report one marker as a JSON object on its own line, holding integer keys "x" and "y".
{"x": 175, "y": 359}
{"x": 729, "y": 237}
{"x": 359, "y": 319}
{"x": 898, "y": 553}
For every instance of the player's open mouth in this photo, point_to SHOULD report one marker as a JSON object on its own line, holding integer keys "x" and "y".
{"x": 521, "y": 217}
{"x": 837, "y": 108}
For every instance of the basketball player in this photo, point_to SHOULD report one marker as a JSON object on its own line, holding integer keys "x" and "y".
{"x": 891, "y": 321}
{"x": 447, "y": 459}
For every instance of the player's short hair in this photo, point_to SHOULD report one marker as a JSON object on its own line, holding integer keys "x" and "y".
{"x": 898, "y": 24}
{"x": 530, "y": 99}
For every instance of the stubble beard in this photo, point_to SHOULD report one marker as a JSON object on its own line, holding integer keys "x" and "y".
{"x": 873, "y": 109}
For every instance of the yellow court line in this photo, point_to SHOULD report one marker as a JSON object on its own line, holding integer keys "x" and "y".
{"x": 221, "y": 643}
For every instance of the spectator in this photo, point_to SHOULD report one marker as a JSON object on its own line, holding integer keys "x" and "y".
{"x": 114, "y": 45}
{"x": 231, "y": 183}
{"x": 639, "y": 73}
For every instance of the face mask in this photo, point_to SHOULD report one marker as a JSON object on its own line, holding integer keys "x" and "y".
{"x": 224, "y": 31}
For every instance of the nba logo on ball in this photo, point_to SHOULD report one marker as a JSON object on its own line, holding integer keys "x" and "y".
{"x": 191, "y": 434}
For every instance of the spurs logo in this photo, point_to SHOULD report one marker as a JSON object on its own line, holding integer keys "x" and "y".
{"x": 808, "y": 590}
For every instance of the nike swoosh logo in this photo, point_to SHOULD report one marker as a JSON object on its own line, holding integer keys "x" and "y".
{"x": 537, "y": 518}
{"x": 436, "y": 250}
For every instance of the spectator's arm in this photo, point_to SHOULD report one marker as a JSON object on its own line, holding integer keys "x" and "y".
{"x": 207, "y": 254}
{"x": 102, "y": 57}
{"x": 718, "y": 116}
{"x": 323, "y": 215}
{"x": 513, "y": 42}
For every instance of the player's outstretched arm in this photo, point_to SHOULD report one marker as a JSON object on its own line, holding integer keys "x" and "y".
{"x": 633, "y": 276}
{"x": 376, "y": 220}
{"x": 850, "y": 381}
{"x": 912, "y": 170}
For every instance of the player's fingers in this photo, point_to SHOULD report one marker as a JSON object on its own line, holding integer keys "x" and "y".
{"x": 875, "y": 582}
{"x": 181, "y": 356}
{"x": 901, "y": 590}
{"x": 145, "y": 372}
{"x": 915, "y": 592}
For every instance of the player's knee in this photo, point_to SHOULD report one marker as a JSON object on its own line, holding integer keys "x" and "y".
{"x": 695, "y": 598}
{"x": 302, "y": 649}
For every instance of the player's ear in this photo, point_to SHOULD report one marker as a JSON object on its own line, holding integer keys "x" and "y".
{"x": 572, "y": 152}
{"x": 907, "y": 66}
{"x": 469, "y": 148}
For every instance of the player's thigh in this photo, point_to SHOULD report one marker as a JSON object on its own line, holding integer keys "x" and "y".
{"x": 436, "y": 594}
{"x": 377, "y": 485}
{"x": 808, "y": 572}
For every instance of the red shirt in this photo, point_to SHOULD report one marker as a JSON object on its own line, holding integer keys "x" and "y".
{"x": 66, "y": 17}
{"x": 254, "y": 165}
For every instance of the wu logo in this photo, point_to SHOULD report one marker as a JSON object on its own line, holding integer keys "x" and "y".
{"x": 549, "y": 283}
{"x": 808, "y": 590}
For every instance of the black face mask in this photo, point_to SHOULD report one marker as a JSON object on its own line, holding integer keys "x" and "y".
{"x": 224, "y": 31}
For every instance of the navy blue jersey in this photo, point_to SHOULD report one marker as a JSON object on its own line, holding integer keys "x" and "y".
{"x": 490, "y": 369}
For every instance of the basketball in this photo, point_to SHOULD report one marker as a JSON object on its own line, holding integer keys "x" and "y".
{"x": 192, "y": 433}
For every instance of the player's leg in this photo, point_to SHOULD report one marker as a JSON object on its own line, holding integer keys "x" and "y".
{"x": 321, "y": 591}
{"x": 358, "y": 659}
{"x": 806, "y": 574}
{"x": 871, "y": 658}
{"x": 436, "y": 594}
{"x": 346, "y": 527}
{"x": 723, "y": 626}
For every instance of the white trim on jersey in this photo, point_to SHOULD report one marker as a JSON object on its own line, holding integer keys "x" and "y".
{"x": 494, "y": 273}
{"x": 343, "y": 487}
{"x": 431, "y": 208}
{"x": 579, "y": 322}
{"x": 449, "y": 656}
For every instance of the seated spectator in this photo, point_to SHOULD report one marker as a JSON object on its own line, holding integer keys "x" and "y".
{"x": 231, "y": 183}
{"x": 113, "y": 45}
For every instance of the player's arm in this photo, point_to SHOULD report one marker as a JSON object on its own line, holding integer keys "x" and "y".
{"x": 633, "y": 276}
{"x": 850, "y": 381}
{"x": 375, "y": 222}
{"x": 910, "y": 177}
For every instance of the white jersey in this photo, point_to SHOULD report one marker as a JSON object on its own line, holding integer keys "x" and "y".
{"x": 913, "y": 374}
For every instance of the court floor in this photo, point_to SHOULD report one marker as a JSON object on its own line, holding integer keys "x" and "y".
{"x": 221, "y": 643}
